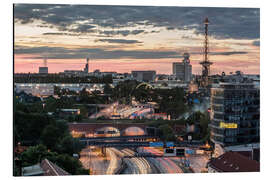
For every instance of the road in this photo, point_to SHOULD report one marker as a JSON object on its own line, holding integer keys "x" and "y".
{"x": 164, "y": 164}
{"x": 134, "y": 165}
{"x": 98, "y": 164}
{"x": 93, "y": 161}
{"x": 115, "y": 162}
{"x": 104, "y": 112}
{"x": 198, "y": 162}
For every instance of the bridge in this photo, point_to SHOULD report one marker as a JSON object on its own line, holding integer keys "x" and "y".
{"x": 119, "y": 138}
{"x": 136, "y": 143}
{"x": 91, "y": 128}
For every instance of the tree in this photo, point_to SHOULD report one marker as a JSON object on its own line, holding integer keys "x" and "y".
{"x": 50, "y": 136}
{"x": 108, "y": 89}
{"x": 83, "y": 111}
{"x": 29, "y": 126}
{"x": 70, "y": 145}
{"x": 50, "y": 104}
{"x": 202, "y": 121}
{"x": 35, "y": 154}
{"x": 68, "y": 163}
{"x": 167, "y": 133}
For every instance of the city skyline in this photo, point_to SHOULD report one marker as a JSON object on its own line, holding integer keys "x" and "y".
{"x": 126, "y": 38}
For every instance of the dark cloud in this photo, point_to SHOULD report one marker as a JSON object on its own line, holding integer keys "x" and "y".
{"x": 170, "y": 28}
{"x": 86, "y": 28}
{"x": 59, "y": 34}
{"x": 121, "y": 32}
{"x": 228, "y": 53}
{"x": 103, "y": 53}
{"x": 136, "y": 32}
{"x": 119, "y": 41}
{"x": 238, "y": 23}
{"x": 95, "y": 53}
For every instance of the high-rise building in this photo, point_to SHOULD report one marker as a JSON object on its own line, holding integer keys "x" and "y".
{"x": 235, "y": 113}
{"x": 183, "y": 70}
{"x": 43, "y": 70}
{"x": 86, "y": 68}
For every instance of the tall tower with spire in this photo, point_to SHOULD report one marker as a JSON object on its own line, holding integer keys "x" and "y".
{"x": 43, "y": 69}
{"x": 205, "y": 63}
{"x": 86, "y": 68}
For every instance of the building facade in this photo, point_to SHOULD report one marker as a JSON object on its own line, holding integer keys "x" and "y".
{"x": 47, "y": 89}
{"x": 232, "y": 162}
{"x": 43, "y": 70}
{"x": 235, "y": 114}
{"x": 144, "y": 76}
{"x": 183, "y": 70}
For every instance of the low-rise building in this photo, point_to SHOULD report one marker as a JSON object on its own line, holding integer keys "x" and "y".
{"x": 45, "y": 168}
{"x": 232, "y": 162}
{"x": 68, "y": 112}
{"x": 144, "y": 76}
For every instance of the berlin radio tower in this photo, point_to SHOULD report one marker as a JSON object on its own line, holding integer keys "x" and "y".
{"x": 45, "y": 62}
{"x": 205, "y": 63}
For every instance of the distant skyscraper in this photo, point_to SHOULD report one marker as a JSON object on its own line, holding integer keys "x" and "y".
{"x": 183, "y": 70}
{"x": 86, "y": 68}
{"x": 44, "y": 69}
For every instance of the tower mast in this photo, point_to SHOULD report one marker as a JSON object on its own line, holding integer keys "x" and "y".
{"x": 205, "y": 63}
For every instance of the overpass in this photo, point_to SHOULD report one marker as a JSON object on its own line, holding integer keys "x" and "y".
{"x": 121, "y": 138}
{"x": 136, "y": 143}
{"x": 91, "y": 128}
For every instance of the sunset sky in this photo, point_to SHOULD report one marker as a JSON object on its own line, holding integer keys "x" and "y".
{"x": 126, "y": 38}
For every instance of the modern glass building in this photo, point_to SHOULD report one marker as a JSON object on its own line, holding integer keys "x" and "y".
{"x": 235, "y": 114}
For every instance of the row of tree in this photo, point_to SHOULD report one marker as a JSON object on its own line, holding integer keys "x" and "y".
{"x": 45, "y": 137}
{"x": 56, "y": 78}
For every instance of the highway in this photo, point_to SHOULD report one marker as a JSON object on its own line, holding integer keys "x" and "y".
{"x": 115, "y": 162}
{"x": 164, "y": 164}
{"x": 135, "y": 165}
{"x": 94, "y": 161}
{"x": 133, "y": 143}
{"x": 112, "y": 163}
{"x": 116, "y": 138}
{"x": 199, "y": 163}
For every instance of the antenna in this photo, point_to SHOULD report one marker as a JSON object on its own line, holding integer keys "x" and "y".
{"x": 45, "y": 62}
{"x": 205, "y": 63}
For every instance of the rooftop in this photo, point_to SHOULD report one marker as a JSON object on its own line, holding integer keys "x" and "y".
{"x": 45, "y": 168}
{"x": 51, "y": 169}
{"x": 234, "y": 162}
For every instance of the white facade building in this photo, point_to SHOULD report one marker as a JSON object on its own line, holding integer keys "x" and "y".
{"x": 47, "y": 89}
{"x": 183, "y": 70}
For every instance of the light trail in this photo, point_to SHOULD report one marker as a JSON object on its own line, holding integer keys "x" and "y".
{"x": 114, "y": 163}
{"x": 168, "y": 164}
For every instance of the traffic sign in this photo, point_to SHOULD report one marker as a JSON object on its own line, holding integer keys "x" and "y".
{"x": 169, "y": 144}
{"x": 156, "y": 144}
{"x": 180, "y": 152}
{"x": 190, "y": 151}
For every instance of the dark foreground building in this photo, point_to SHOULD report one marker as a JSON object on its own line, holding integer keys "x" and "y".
{"x": 233, "y": 162}
{"x": 235, "y": 114}
{"x": 45, "y": 168}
